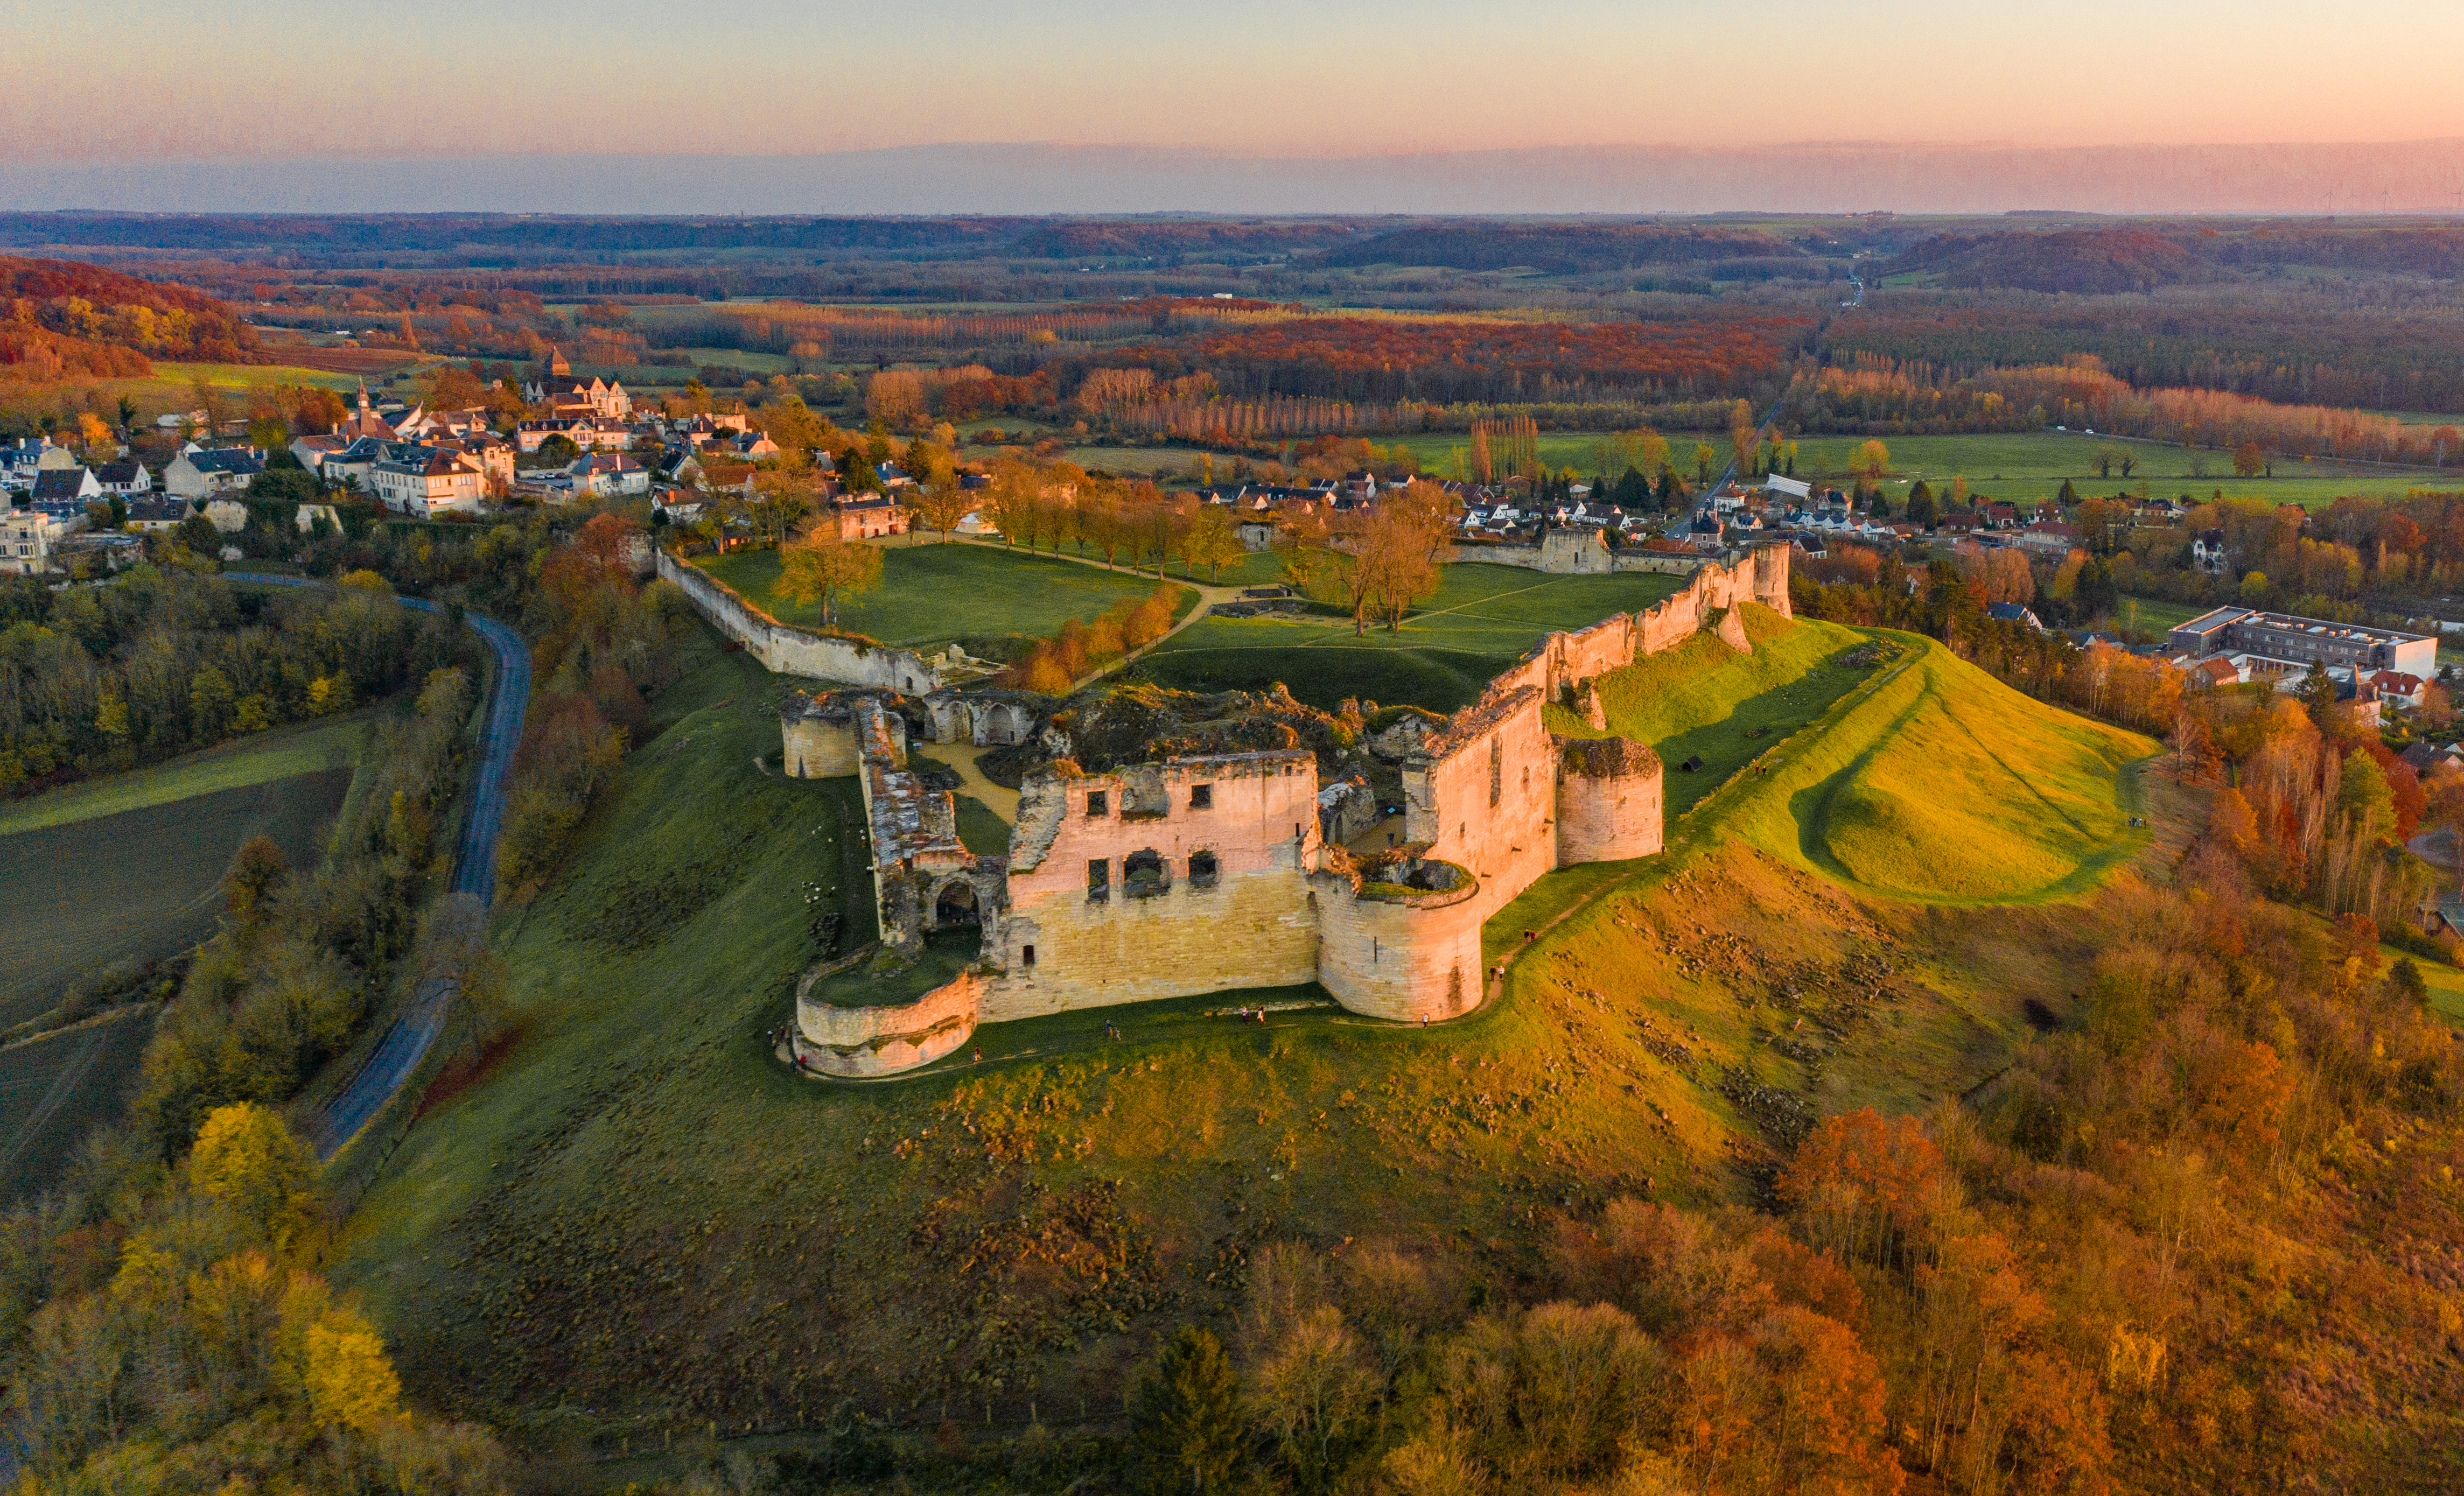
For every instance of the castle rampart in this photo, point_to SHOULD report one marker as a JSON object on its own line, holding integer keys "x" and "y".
{"x": 1397, "y": 950}
{"x": 787, "y": 651}
{"x": 1207, "y": 874}
{"x": 1159, "y": 881}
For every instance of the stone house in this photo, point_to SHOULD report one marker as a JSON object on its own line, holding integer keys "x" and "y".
{"x": 27, "y": 537}
{"x": 204, "y": 471}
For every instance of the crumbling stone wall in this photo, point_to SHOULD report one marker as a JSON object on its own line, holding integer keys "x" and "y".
{"x": 1407, "y": 954}
{"x": 1213, "y": 874}
{"x": 1609, "y": 801}
{"x": 1251, "y": 926}
{"x": 882, "y": 1041}
{"x": 1483, "y": 795}
{"x": 786, "y": 650}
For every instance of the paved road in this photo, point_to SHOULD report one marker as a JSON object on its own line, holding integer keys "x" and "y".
{"x": 475, "y": 872}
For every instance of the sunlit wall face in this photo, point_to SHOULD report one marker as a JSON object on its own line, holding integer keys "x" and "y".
{"x": 148, "y": 79}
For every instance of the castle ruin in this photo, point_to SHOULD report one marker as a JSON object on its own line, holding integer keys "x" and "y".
{"x": 1210, "y": 872}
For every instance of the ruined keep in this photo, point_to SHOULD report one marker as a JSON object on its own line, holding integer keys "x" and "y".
{"x": 1207, "y": 872}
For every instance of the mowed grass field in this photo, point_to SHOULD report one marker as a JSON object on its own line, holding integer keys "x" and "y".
{"x": 634, "y": 1219}
{"x": 1482, "y": 619}
{"x": 2012, "y": 466}
{"x": 931, "y": 594}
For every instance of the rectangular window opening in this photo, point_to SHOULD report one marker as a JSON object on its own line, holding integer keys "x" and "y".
{"x": 1099, "y": 879}
{"x": 1201, "y": 797}
{"x": 1098, "y": 803}
{"x": 1026, "y": 956}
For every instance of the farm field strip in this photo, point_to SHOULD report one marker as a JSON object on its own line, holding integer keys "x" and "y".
{"x": 301, "y": 748}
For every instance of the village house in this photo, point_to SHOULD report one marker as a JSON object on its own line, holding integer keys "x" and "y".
{"x": 151, "y": 513}
{"x": 204, "y": 471}
{"x": 27, "y": 539}
{"x": 424, "y": 481}
{"x": 64, "y": 491}
{"x": 865, "y": 517}
{"x": 601, "y": 475}
{"x": 126, "y": 478}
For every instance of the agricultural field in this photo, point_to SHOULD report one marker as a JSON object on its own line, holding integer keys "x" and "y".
{"x": 1012, "y": 1228}
{"x": 128, "y": 867}
{"x": 55, "y": 1088}
{"x": 933, "y": 593}
{"x": 2032, "y": 465}
{"x": 1482, "y": 619}
{"x": 2025, "y": 465}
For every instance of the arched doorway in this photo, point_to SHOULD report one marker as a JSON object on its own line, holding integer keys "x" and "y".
{"x": 955, "y": 907}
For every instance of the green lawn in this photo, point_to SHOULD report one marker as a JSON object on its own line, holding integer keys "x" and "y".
{"x": 2029, "y": 466}
{"x": 2014, "y": 466}
{"x": 1939, "y": 783}
{"x": 931, "y": 594}
{"x": 2150, "y": 615}
{"x": 1483, "y": 619}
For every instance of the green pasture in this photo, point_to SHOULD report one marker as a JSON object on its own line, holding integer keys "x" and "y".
{"x": 630, "y": 1217}
{"x": 300, "y": 748}
{"x": 2031, "y": 466}
{"x": 1705, "y": 700}
{"x": 1482, "y": 619}
{"x": 1937, "y": 782}
{"x": 2010, "y": 466}
{"x": 933, "y": 593}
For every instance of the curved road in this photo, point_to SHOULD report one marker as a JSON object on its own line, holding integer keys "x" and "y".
{"x": 407, "y": 1042}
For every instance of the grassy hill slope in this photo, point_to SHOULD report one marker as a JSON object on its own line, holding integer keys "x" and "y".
{"x": 632, "y": 1219}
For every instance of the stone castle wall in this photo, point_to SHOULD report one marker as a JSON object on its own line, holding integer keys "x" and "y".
{"x": 1253, "y": 927}
{"x": 1406, "y": 956}
{"x": 786, "y": 650}
{"x": 880, "y": 1040}
{"x": 1609, "y": 801}
{"x": 1492, "y": 793}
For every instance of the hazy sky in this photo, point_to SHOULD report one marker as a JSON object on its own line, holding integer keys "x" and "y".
{"x": 120, "y": 80}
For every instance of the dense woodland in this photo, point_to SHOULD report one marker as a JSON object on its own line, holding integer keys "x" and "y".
{"x": 163, "y": 661}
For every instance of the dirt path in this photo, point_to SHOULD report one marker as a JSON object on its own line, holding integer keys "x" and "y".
{"x": 961, "y": 758}
{"x": 1208, "y": 593}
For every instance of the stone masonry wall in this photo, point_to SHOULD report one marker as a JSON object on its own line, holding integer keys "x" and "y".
{"x": 1486, "y": 796}
{"x": 1254, "y": 928}
{"x": 819, "y": 749}
{"x": 878, "y": 1041}
{"x": 785, "y": 651}
{"x": 1609, "y": 801}
{"x": 1405, "y": 960}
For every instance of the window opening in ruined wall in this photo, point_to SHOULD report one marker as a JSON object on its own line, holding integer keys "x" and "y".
{"x": 1098, "y": 803}
{"x": 1201, "y": 797}
{"x": 1099, "y": 880}
{"x": 1496, "y": 771}
{"x": 1201, "y": 870}
{"x": 1143, "y": 876}
{"x": 1026, "y": 956}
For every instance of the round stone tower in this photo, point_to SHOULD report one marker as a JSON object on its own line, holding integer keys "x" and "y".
{"x": 1608, "y": 801}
